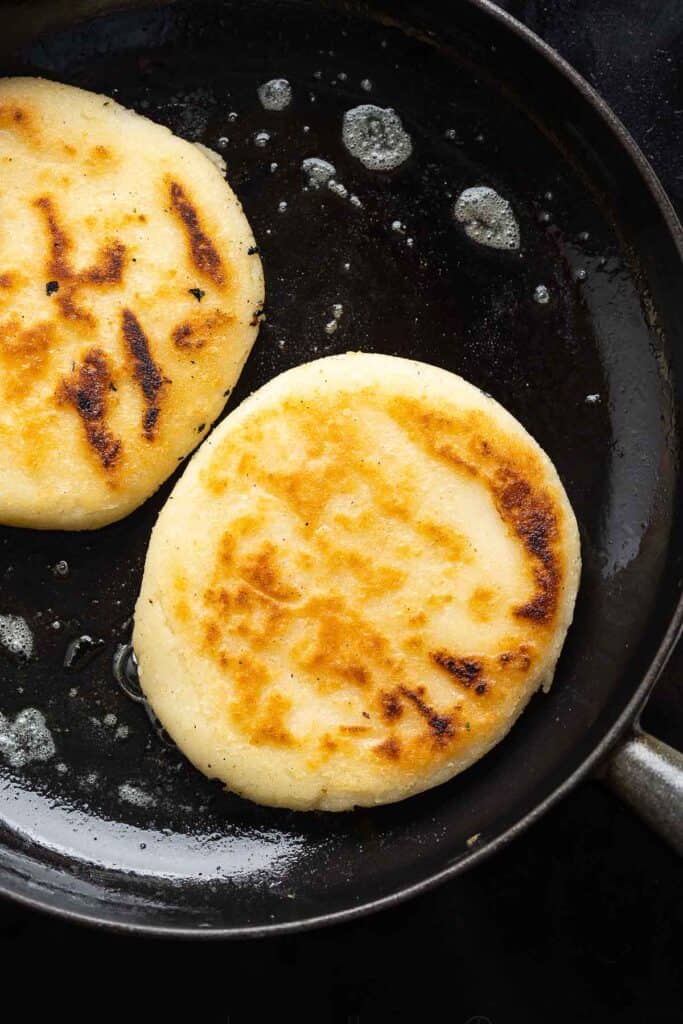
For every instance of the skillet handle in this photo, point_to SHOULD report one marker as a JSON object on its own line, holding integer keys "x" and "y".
{"x": 648, "y": 775}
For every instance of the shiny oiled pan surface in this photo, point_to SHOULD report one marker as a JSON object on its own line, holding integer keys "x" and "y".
{"x": 117, "y": 825}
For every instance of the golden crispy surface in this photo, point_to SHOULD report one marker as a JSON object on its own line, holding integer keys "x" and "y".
{"x": 383, "y": 571}
{"x": 128, "y": 304}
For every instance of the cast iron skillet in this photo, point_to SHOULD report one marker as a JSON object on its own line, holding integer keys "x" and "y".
{"x": 117, "y": 828}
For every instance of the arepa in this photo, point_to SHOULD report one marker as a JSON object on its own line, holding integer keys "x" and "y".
{"x": 355, "y": 588}
{"x": 130, "y": 292}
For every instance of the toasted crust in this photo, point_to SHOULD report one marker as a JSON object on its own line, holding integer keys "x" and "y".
{"x": 128, "y": 304}
{"x": 357, "y": 585}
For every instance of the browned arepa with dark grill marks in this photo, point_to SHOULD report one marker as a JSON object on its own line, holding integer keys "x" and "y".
{"x": 130, "y": 288}
{"x": 382, "y": 575}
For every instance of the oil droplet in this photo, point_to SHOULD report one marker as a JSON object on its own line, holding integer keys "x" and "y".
{"x": 26, "y": 739}
{"x": 581, "y": 274}
{"x": 318, "y": 171}
{"x": 366, "y": 85}
{"x": 261, "y": 139}
{"x": 542, "y": 295}
{"x": 125, "y": 670}
{"x": 134, "y": 795}
{"x": 487, "y": 218}
{"x": 223, "y": 142}
{"x": 16, "y": 636}
{"x": 232, "y": 116}
{"x": 398, "y": 226}
{"x": 331, "y": 327}
{"x": 338, "y": 188}
{"x": 61, "y": 569}
{"x": 81, "y": 651}
{"x": 282, "y": 206}
{"x": 376, "y": 137}
{"x": 275, "y": 95}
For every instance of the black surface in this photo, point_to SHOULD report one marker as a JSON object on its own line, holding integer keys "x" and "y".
{"x": 572, "y": 896}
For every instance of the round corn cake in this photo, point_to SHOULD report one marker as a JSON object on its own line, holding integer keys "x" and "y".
{"x": 360, "y": 580}
{"x": 130, "y": 293}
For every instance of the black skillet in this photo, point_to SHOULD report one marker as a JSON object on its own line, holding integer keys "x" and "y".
{"x": 117, "y": 828}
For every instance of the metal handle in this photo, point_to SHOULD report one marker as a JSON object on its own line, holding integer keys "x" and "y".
{"x": 648, "y": 775}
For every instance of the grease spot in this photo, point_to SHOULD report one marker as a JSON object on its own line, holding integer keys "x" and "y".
{"x": 16, "y": 636}
{"x": 376, "y": 137}
{"x": 487, "y": 218}
{"x": 25, "y": 740}
{"x": 318, "y": 171}
{"x": 275, "y": 94}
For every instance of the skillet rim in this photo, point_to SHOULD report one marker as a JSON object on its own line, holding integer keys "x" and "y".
{"x": 628, "y": 717}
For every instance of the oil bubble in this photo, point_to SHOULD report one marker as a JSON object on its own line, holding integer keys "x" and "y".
{"x": 318, "y": 171}
{"x": 275, "y": 95}
{"x": 16, "y": 636}
{"x": 487, "y": 218}
{"x": 134, "y": 795}
{"x": 376, "y": 137}
{"x": 26, "y": 739}
{"x": 125, "y": 670}
{"x": 80, "y": 652}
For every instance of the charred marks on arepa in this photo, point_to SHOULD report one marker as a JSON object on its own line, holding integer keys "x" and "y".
{"x": 335, "y": 647}
{"x": 441, "y": 726}
{"x": 466, "y": 670}
{"x": 469, "y": 443}
{"x": 87, "y": 390}
{"x": 145, "y": 370}
{"x": 481, "y": 674}
{"x": 196, "y": 332}
{"x": 203, "y": 253}
{"x": 535, "y": 523}
{"x": 106, "y": 270}
{"x": 442, "y": 729}
{"x": 15, "y": 117}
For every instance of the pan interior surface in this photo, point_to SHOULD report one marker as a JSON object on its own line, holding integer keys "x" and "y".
{"x": 568, "y": 332}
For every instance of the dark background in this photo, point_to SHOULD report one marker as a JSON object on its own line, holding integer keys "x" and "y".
{"x": 580, "y": 919}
